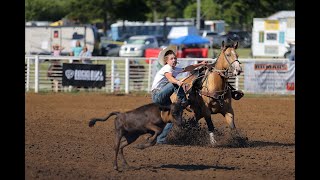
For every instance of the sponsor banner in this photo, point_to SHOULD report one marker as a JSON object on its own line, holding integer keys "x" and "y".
{"x": 269, "y": 77}
{"x": 83, "y": 75}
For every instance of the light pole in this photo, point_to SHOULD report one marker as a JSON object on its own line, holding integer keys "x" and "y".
{"x": 198, "y": 14}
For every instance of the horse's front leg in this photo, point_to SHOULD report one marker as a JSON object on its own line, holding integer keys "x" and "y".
{"x": 229, "y": 116}
{"x": 210, "y": 129}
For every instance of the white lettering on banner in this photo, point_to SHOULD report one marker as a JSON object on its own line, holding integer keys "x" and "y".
{"x": 269, "y": 77}
{"x": 96, "y": 76}
{"x": 88, "y": 75}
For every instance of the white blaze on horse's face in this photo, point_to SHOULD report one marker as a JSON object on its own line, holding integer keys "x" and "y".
{"x": 235, "y": 66}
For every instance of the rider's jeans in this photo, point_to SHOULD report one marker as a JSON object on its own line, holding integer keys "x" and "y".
{"x": 162, "y": 97}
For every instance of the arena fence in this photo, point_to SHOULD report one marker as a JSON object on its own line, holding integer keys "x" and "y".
{"x": 127, "y": 75}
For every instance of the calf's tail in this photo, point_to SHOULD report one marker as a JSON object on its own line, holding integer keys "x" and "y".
{"x": 93, "y": 121}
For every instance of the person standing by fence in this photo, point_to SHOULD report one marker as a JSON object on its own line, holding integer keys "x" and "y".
{"x": 76, "y": 50}
{"x": 85, "y": 55}
{"x": 55, "y": 66}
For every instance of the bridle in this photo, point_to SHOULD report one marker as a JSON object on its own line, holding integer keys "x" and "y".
{"x": 226, "y": 73}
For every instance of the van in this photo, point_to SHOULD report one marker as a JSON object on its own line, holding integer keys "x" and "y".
{"x": 136, "y": 46}
{"x": 40, "y": 39}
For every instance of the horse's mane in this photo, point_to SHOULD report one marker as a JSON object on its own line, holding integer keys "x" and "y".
{"x": 228, "y": 46}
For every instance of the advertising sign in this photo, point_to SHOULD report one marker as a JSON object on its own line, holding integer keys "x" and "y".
{"x": 269, "y": 77}
{"x": 83, "y": 75}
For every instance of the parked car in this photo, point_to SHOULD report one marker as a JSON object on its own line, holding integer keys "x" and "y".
{"x": 214, "y": 38}
{"x": 162, "y": 41}
{"x": 243, "y": 37}
{"x": 136, "y": 45}
{"x": 108, "y": 49}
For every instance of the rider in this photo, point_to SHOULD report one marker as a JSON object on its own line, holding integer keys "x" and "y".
{"x": 165, "y": 83}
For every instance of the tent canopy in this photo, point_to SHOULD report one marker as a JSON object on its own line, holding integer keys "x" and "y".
{"x": 189, "y": 39}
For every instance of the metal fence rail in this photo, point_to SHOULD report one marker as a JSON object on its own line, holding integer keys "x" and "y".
{"x": 123, "y": 75}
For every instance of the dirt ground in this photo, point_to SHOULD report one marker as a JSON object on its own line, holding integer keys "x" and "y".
{"x": 59, "y": 144}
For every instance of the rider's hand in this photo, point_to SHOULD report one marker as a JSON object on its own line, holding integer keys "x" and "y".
{"x": 204, "y": 62}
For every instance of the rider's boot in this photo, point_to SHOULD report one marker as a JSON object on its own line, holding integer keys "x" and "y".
{"x": 237, "y": 94}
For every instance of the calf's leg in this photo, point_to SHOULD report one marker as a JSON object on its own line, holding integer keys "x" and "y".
{"x": 118, "y": 137}
{"x": 129, "y": 138}
{"x": 152, "y": 140}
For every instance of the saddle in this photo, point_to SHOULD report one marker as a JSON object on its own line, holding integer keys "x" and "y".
{"x": 193, "y": 78}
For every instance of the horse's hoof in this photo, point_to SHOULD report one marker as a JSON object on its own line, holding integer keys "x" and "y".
{"x": 127, "y": 167}
{"x": 115, "y": 168}
{"x": 212, "y": 140}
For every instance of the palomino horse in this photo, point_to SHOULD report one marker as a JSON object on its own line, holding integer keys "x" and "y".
{"x": 211, "y": 94}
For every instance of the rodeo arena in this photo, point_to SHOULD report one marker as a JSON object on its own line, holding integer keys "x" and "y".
{"x": 240, "y": 122}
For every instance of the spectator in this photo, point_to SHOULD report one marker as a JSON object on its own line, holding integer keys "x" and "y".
{"x": 53, "y": 71}
{"x": 292, "y": 53}
{"x": 165, "y": 84}
{"x": 76, "y": 50}
{"x": 136, "y": 74}
{"x": 85, "y": 55}
{"x": 117, "y": 80}
{"x": 56, "y": 50}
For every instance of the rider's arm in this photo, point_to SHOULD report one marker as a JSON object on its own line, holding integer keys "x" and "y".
{"x": 193, "y": 66}
{"x": 172, "y": 79}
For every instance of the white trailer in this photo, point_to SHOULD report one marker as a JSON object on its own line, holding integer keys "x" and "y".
{"x": 271, "y": 37}
{"x": 39, "y": 39}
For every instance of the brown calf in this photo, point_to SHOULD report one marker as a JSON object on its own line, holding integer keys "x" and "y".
{"x": 150, "y": 118}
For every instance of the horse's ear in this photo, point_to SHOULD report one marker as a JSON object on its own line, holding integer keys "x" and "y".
{"x": 222, "y": 45}
{"x": 235, "y": 45}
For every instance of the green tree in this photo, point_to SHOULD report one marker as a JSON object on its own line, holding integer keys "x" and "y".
{"x": 131, "y": 10}
{"x": 45, "y": 10}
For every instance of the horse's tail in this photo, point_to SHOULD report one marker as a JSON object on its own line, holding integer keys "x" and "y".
{"x": 93, "y": 121}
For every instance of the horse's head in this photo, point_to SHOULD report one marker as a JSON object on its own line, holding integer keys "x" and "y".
{"x": 228, "y": 60}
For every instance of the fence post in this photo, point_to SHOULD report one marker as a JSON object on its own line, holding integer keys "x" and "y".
{"x": 112, "y": 75}
{"x": 28, "y": 75}
{"x": 127, "y": 76}
{"x": 36, "y": 74}
{"x": 70, "y": 61}
{"x": 149, "y": 74}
